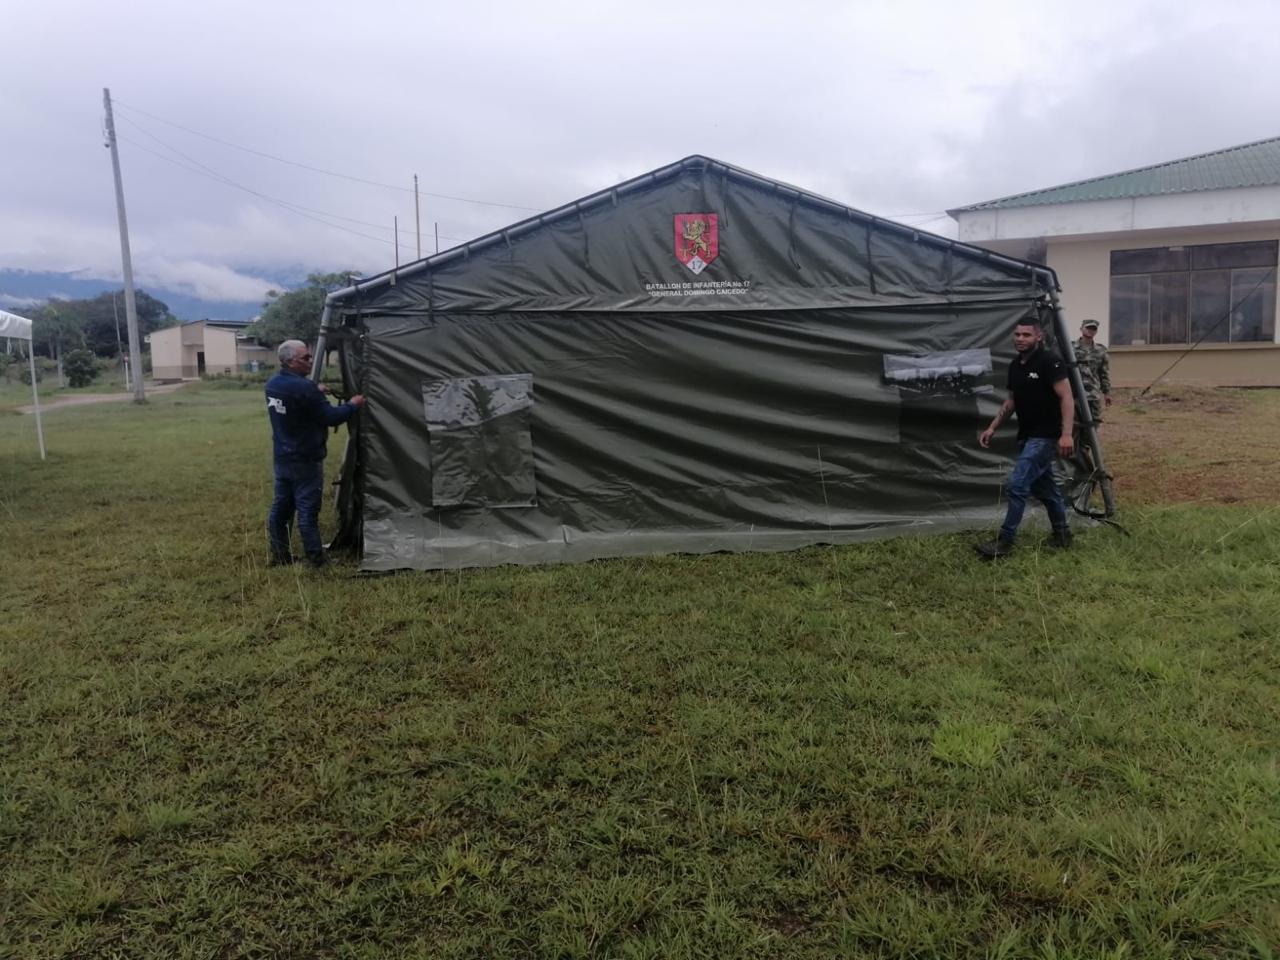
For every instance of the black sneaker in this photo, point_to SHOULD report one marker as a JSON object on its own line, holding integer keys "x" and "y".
{"x": 317, "y": 561}
{"x": 994, "y": 549}
{"x": 1061, "y": 539}
{"x": 284, "y": 561}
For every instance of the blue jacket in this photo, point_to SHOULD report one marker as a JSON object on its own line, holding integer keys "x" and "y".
{"x": 300, "y": 417}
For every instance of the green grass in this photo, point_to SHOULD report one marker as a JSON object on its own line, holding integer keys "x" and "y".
{"x": 886, "y": 750}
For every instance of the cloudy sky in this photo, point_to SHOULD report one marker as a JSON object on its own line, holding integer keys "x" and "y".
{"x": 899, "y": 108}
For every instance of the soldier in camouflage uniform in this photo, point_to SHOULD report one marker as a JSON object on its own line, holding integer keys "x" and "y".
{"x": 1095, "y": 369}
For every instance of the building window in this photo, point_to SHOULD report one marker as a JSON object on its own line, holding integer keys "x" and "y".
{"x": 1218, "y": 292}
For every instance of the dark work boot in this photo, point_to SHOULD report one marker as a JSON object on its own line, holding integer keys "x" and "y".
{"x": 994, "y": 549}
{"x": 280, "y": 560}
{"x": 1061, "y": 539}
{"x": 317, "y": 561}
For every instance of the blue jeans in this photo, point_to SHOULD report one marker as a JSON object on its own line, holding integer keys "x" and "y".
{"x": 299, "y": 487}
{"x": 1032, "y": 474}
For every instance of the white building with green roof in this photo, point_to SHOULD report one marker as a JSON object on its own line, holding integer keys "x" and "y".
{"x": 1164, "y": 257}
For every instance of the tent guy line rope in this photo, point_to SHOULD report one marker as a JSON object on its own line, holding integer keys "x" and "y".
{"x": 1236, "y": 529}
{"x": 1230, "y": 310}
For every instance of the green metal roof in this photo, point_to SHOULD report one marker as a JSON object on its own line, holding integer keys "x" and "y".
{"x": 1249, "y": 165}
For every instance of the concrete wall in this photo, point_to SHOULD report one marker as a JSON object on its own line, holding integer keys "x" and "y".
{"x": 219, "y": 350}
{"x": 175, "y": 352}
{"x": 167, "y": 354}
{"x": 1213, "y": 365}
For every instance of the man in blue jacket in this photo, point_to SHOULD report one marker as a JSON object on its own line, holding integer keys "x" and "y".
{"x": 300, "y": 420}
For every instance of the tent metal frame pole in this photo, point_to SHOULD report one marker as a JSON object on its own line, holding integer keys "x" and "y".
{"x": 317, "y": 360}
{"x": 1085, "y": 415}
{"x": 35, "y": 394}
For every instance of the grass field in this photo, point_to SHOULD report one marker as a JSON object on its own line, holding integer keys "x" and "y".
{"x": 886, "y": 750}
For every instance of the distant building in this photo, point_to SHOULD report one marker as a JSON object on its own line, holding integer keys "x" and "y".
{"x": 1161, "y": 257}
{"x": 204, "y": 348}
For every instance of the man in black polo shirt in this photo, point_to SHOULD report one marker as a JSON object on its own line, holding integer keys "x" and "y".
{"x": 1040, "y": 394}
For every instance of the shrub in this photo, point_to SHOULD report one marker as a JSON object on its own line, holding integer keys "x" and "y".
{"x": 43, "y": 366}
{"x": 81, "y": 367}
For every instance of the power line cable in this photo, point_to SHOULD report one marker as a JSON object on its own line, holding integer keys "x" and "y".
{"x": 215, "y": 173}
{"x": 287, "y": 205}
{"x": 222, "y": 178}
{"x": 928, "y": 216}
{"x": 314, "y": 214}
{"x": 195, "y": 166}
{"x": 313, "y": 169}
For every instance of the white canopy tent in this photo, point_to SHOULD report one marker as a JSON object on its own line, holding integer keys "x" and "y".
{"x": 19, "y": 328}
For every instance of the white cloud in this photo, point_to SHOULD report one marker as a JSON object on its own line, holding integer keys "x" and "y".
{"x": 42, "y": 244}
{"x": 206, "y": 281}
{"x": 11, "y": 300}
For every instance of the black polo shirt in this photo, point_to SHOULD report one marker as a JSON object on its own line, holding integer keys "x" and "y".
{"x": 1031, "y": 383}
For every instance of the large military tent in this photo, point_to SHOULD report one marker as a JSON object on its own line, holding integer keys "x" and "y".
{"x": 699, "y": 359}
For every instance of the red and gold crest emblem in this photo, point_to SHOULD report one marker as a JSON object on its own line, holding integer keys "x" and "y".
{"x": 697, "y": 239}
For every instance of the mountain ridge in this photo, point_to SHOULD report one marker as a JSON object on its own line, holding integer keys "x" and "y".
{"x": 20, "y": 288}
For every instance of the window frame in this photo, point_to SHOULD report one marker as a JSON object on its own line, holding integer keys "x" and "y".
{"x": 1210, "y": 257}
{"x": 480, "y": 441}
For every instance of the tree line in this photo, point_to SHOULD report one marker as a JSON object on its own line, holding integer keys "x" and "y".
{"x": 97, "y": 325}
{"x": 295, "y": 315}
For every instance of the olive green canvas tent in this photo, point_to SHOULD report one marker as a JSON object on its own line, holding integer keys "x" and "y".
{"x": 696, "y": 360}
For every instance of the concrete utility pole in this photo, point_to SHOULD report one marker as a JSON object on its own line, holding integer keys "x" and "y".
{"x": 130, "y": 304}
{"x": 124, "y": 364}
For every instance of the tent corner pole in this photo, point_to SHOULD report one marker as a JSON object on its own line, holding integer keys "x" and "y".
{"x": 1088, "y": 427}
{"x": 35, "y": 395}
{"x": 317, "y": 361}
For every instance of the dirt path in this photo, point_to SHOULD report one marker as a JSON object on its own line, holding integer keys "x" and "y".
{"x": 81, "y": 399}
{"x": 1194, "y": 445}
